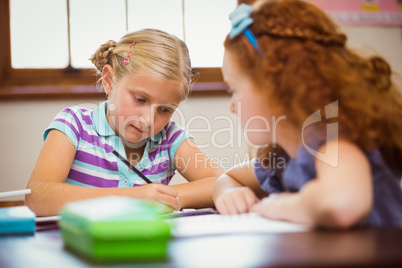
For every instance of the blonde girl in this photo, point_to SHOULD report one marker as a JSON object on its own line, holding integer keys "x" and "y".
{"x": 145, "y": 76}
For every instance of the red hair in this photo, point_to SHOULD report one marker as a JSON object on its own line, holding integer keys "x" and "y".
{"x": 306, "y": 66}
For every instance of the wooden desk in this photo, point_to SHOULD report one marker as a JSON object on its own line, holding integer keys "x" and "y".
{"x": 357, "y": 248}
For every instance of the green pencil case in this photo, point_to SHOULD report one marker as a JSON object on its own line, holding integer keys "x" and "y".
{"x": 115, "y": 228}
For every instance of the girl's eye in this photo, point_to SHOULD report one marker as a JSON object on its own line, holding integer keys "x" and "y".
{"x": 141, "y": 100}
{"x": 165, "y": 110}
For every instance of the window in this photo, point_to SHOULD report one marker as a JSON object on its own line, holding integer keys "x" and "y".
{"x": 48, "y": 42}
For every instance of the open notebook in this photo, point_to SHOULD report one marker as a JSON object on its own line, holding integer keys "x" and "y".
{"x": 216, "y": 224}
{"x": 196, "y": 222}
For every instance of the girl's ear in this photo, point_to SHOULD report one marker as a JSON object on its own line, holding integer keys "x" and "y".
{"x": 107, "y": 78}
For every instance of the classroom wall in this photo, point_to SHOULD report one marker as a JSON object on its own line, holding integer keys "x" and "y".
{"x": 207, "y": 117}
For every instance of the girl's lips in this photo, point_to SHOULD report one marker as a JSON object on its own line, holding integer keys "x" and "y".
{"x": 138, "y": 129}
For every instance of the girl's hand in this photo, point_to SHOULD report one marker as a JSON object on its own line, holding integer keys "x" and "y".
{"x": 161, "y": 193}
{"x": 236, "y": 201}
{"x": 270, "y": 207}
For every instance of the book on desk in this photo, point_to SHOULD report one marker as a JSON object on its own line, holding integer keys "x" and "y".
{"x": 17, "y": 220}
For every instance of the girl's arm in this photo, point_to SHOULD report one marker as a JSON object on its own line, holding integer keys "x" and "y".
{"x": 237, "y": 190}
{"x": 339, "y": 197}
{"x": 200, "y": 172}
{"x": 49, "y": 192}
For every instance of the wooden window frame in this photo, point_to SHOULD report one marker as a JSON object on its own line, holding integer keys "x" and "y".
{"x": 68, "y": 82}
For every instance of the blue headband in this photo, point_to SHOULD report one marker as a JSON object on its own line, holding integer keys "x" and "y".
{"x": 240, "y": 19}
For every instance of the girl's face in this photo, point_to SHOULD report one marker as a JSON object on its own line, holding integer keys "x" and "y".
{"x": 139, "y": 107}
{"x": 248, "y": 103}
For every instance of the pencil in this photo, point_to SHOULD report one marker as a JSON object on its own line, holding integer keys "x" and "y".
{"x": 13, "y": 193}
{"x": 142, "y": 176}
{"x": 131, "y": 167}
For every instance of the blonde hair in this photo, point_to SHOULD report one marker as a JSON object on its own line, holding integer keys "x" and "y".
{"x": 155, "y": 52}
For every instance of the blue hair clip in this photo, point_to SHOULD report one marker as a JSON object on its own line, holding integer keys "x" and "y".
{"x": 240, "y": 19}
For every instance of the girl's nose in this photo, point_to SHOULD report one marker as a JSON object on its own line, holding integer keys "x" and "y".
{"x": 233, "y": 106}
{"x": 149, "y": 115}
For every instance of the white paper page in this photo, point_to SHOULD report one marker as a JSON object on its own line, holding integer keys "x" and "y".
{"x": 48, "y": 219}
{"x": 216, "y": 224}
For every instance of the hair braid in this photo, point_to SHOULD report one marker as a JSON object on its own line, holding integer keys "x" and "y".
{"x": 281, "y": 23}
{"x": 101, "y": 57}
{"x": 304, "y": 34}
